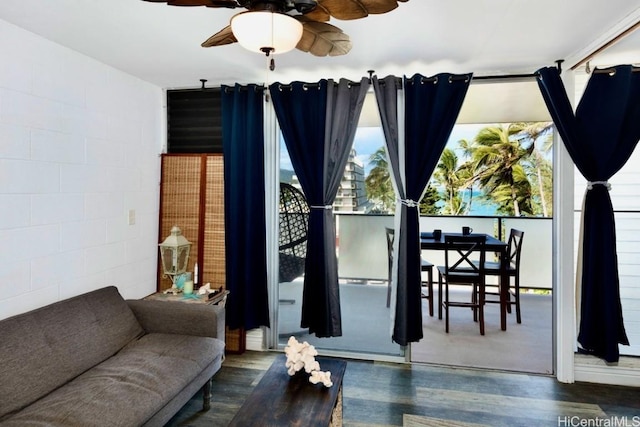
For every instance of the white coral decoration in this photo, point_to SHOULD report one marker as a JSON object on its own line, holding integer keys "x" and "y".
{"x": 302, "y": 355}
{"x": 323, "y": 377}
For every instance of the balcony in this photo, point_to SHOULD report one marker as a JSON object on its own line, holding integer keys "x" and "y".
{"x": 362, "y": 259}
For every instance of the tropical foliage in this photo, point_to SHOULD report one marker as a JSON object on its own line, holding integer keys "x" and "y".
{"x": 378, "y": 183}
{"x": 380, "y": 190}
{"x": 506, "y": 165}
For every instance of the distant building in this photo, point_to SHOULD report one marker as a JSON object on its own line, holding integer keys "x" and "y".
{"x": 351, "y": 196}
{"x": 286, "y": 175}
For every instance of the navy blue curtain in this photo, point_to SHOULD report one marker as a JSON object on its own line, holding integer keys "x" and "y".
{"x": 600, "y": 137}
{"x": 318, "y": 122}
{"x": 244, "y": 206}
{"x": 431, "y": 107}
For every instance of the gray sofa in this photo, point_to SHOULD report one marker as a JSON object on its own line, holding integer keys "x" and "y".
{"x": 98, "y": 360}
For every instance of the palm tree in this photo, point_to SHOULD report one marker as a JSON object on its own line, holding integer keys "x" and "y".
{"x": 521, "y": 187}
{"x": 380, "y": 189}
{"x": 540, "y": 164}
{"x": 496, "y": 157}
{"x": 467, "y": 171}
{"x": 429, "y": 201}
{"x": 378, "y": 183}
{"x": 544, "y": 178}
{"x": 447, "y": 175}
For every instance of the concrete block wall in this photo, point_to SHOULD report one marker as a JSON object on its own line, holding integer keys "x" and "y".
{"x": 79, "y": 174}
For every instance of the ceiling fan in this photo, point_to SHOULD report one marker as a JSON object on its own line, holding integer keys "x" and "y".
{"x": 276, "y": 26}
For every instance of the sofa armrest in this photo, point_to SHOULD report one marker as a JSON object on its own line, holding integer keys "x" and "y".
{"x": 180, "y": 318}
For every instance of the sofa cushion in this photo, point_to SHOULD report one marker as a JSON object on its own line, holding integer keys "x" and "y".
{"x": 45, "y": 348}
{"x": 128, "y": 388}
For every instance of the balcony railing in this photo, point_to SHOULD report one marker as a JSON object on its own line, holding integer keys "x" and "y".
{"x": 362, "y": 244}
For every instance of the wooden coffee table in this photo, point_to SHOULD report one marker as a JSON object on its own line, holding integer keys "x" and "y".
{"x": 283, "y": 400}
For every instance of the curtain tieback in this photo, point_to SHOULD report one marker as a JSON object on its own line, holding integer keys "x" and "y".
{"x": 590, "y": 184}
{"x": 409, "y": 203}
{"x": 321, "y": 207}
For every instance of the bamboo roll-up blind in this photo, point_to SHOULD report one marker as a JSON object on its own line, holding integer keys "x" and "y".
{"x": 213, "y": 260}
{"x": 180, "y": 204}
{"x": 192, "y": 197}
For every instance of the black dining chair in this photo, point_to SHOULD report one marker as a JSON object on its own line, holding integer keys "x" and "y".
{"x": 425, "y": 266}
{"x": 491, "y": 268}
{"x": 464, "y": 259}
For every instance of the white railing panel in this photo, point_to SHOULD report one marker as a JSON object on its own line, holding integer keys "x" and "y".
{"x": 536, "y": 263}
{"x": 628, "y": 249}
{"x": 362, "y": 244}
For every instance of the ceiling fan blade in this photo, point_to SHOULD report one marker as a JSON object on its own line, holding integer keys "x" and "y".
{"x": 351, "y": 9}
{"x": 232, "y": 4}
{"x": 319, "y": 14}
{"x": 221, "y": 38}
{"x": 322, "y": 39}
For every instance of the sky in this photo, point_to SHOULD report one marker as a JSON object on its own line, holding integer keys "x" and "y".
{"x": 369, "y": 139}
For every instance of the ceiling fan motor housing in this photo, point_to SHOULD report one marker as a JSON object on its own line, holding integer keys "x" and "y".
{"x": 305, "y": 6}
{"x": 302, "y": 6}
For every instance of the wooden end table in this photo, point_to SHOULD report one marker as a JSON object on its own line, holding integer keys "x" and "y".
{"x": 234, "y": 339}
{"x": 283, "y": 400}
{"x": 219, "y": 297}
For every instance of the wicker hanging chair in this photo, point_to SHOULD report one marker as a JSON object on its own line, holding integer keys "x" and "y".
{"x": 294, "y": 222}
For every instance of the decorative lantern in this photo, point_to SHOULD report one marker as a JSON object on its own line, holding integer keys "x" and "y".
{"x": 174, "y": 253}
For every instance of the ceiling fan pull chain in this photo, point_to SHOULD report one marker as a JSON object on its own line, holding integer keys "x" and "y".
{"x": 271, "y": 63}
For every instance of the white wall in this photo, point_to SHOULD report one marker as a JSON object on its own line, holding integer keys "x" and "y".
{"x": 79, "y": 145}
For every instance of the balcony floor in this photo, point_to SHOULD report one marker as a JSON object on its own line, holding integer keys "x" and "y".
{"x": 525, "y": 347}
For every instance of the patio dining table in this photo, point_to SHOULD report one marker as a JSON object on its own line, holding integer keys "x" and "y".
{"x": 428, "y": 242}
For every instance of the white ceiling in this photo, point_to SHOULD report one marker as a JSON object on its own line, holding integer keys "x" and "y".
{"x": 161, "y": 44}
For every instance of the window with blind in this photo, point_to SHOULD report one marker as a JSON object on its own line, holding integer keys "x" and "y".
{"x": 194, "y": 121}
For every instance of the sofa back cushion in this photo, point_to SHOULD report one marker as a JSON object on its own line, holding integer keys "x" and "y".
{"x": 43, "y": 349}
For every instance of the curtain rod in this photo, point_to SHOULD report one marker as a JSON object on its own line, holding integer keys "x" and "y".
{"x": 453, "y": 77}
{"x": 482, "y": 79}
{"x": 485, "y": 79}
{"x": 514, "y": 77}
{"x": 607, "y": 45}
{"x": 612, "y": 70}
{"x": 256, "y": 88}
{"x": 433, "y": 79}
{"x": 314, "y": 85}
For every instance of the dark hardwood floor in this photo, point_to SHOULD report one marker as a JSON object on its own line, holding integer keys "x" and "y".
{"x": 383, "y": 394}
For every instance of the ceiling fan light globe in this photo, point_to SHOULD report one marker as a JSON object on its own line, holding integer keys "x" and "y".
{"x": 260, "y": 31}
